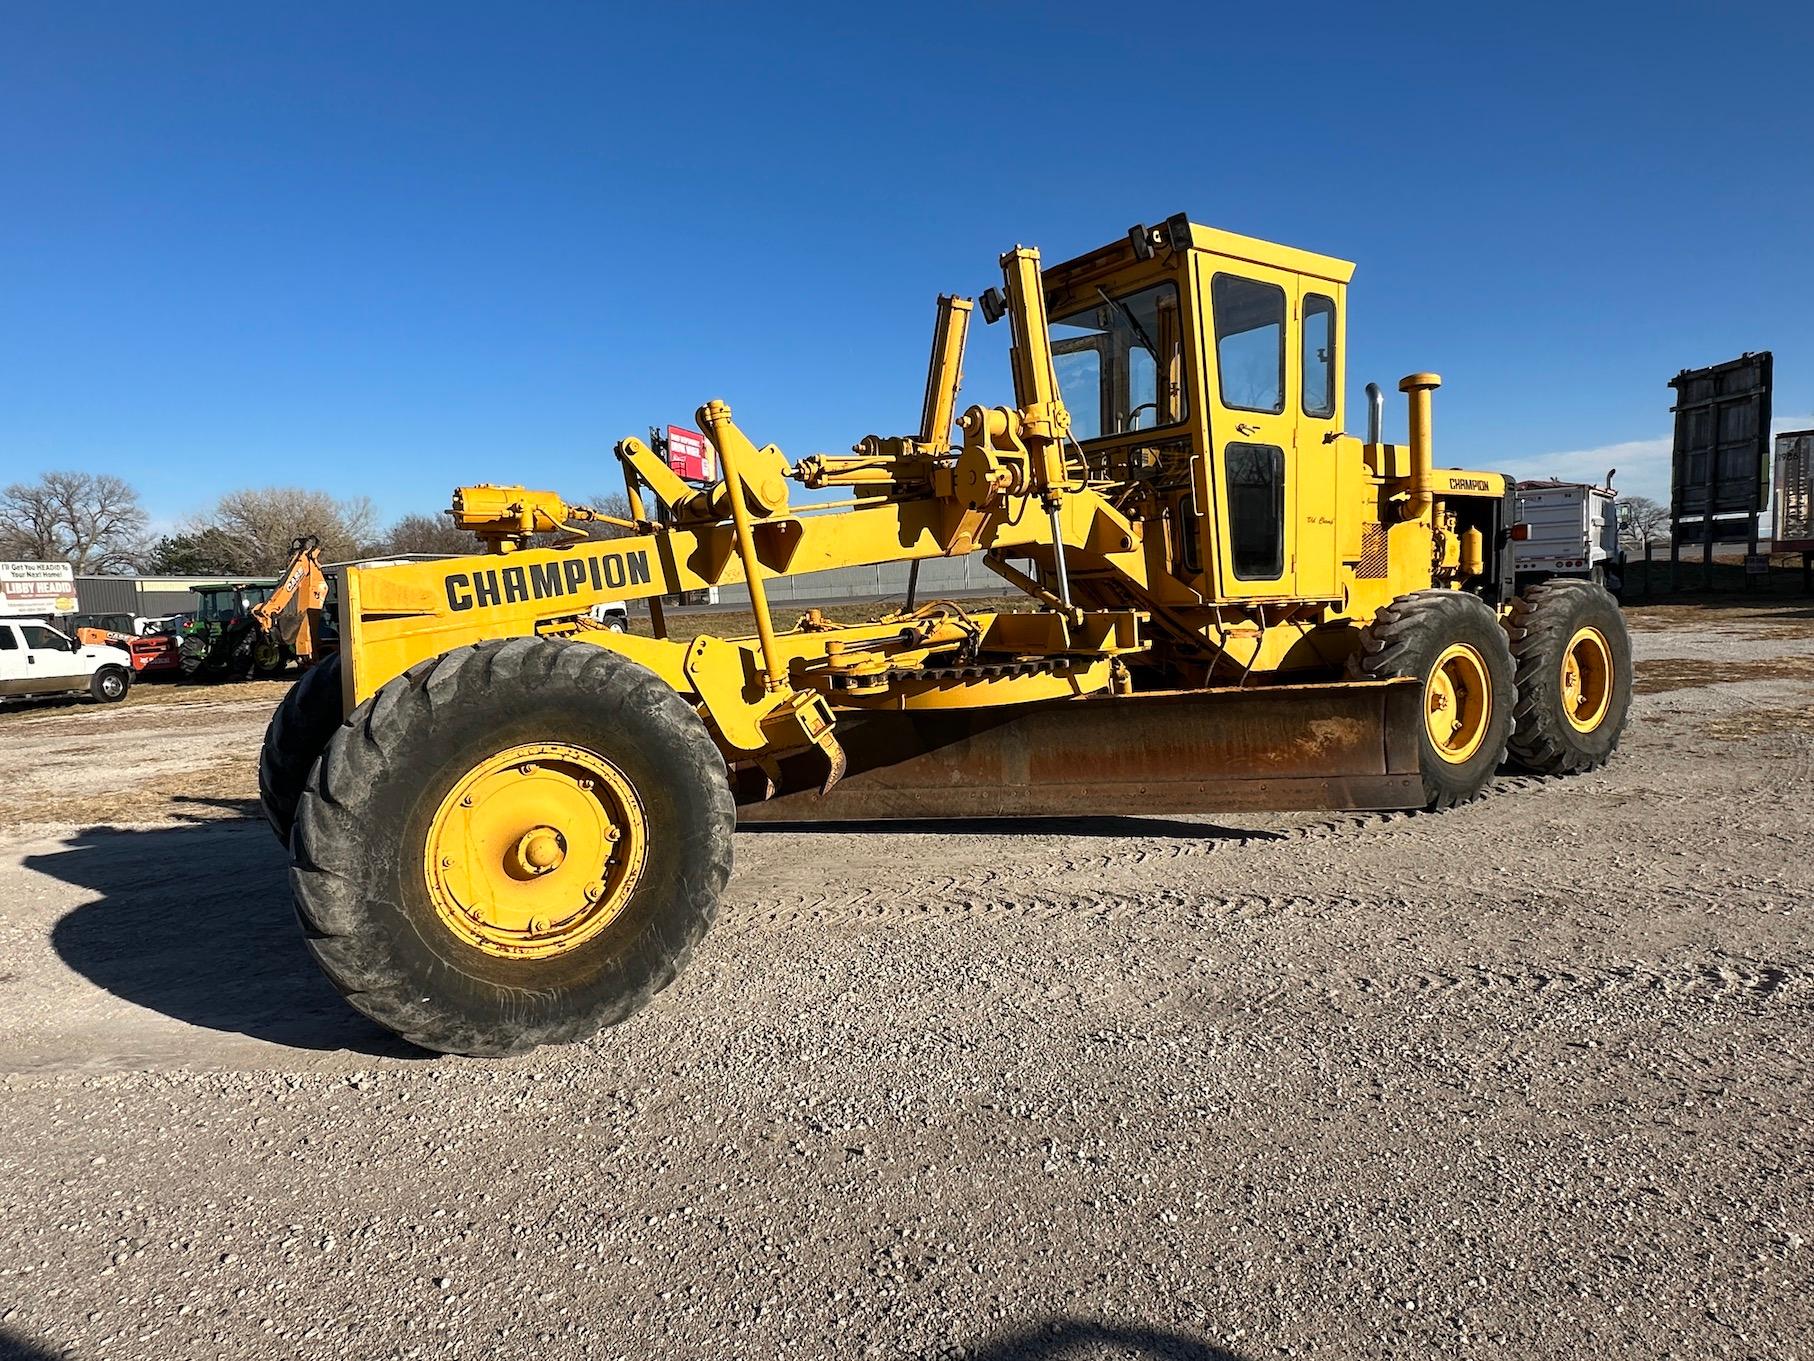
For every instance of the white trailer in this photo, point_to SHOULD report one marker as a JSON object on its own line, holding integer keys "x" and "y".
{"x": 1573, "y": 531}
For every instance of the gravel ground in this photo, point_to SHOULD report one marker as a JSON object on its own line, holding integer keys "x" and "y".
{"x": 1527, "y": 1079}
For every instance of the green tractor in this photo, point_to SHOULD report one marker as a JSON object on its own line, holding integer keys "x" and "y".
{"x": 225, "y": 640}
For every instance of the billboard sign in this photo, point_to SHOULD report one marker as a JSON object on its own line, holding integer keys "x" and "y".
{"x": 690, "y": 454}
{"x": 36, "y": 590}
{"x": 1721, "y": 460}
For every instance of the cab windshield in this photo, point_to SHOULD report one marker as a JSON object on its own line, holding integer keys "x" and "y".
{"x": 1120, "y": 363}
{"x": 222, "y": 605}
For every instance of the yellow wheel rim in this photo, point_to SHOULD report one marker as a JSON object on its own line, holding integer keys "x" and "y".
{"x": 1586, "y": 679}
{"x": 1458, "y": 703}
{"x": 535, "y": 851}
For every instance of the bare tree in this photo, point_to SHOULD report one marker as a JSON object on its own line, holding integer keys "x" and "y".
{"x": 264, "y": 521}
{"x": 1639, "y": 520}
{"x": 92, "y": 521}
{"x": 609, "y": 503}
{"x": 429, "y": 534}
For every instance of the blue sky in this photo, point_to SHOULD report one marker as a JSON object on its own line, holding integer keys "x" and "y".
{"x": 385, "y": 248}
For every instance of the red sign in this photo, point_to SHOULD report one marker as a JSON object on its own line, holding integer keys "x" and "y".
{"x": 689, "y": 454}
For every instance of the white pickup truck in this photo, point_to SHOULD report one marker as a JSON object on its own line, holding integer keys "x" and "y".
{"x": 36, "y": 659}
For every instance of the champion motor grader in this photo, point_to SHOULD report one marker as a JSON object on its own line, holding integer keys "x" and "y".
{"x": 508, "y": 825}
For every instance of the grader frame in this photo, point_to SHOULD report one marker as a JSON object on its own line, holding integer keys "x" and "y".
{"x": 510, "y": 825}
{"x": 1214, "y": 535}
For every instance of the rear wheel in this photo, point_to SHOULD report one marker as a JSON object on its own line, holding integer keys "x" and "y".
{"x": 192, "y": 656}
{"x": 294, "y": 737}
{"x": 513, "y": 844}
{"x": 110, "y": 684}
{"x": 1573, "y": 654}
{"x": 268, "y": 657}
{"x": 1451, "y": 642}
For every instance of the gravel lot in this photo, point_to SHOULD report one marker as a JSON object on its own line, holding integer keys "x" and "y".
{"x": 1527, "y": 1079}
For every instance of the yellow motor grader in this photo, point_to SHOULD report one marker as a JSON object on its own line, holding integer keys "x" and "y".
{"x": 510, "y": 825}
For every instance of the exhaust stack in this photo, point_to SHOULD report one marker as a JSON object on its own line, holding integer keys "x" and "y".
{"x": 1418, "y": 387}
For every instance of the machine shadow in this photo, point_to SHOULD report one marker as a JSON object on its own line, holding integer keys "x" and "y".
{"x": 1073, "y": 1339}
{"x": 1105, "y": 825}
{"x": 15, "y": 1348}
{"x": 194, "y": 921}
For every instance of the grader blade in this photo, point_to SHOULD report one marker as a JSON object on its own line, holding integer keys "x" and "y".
{"x": 1341, "y": 746}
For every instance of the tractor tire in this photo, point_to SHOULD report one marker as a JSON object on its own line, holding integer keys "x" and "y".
{"x": 294, "y": 738}
{"x": 1452, "y": 642}
{"x": 512, "y": 844}
{"x": 239, "y": 666}
{"x": 1573, "y": 655}
{"x": 269, "y": 659}
{"x": 192, "y": 657}
{"x": 110, "y": 684}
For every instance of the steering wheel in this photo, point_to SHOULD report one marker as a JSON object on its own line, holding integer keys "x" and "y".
{"x": 1133, "y": 417}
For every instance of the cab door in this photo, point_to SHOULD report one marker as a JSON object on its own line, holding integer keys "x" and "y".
{"x": 52, "y": 660}
{"x": 1253, "y": 364}
{"x": 12, "y": 661}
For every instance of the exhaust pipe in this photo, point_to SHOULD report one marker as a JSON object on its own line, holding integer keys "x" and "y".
{"x": 1376, "y": 414}
{"x": 1418, "y": 387}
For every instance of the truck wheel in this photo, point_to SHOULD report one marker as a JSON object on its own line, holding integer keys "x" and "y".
{"x": 110, "y": 684}
{"x": 294, "y": 737}
{"x": 1452, "y": 642}
{"x": 1574, "y": 676}
{"x": 512, "y": 844}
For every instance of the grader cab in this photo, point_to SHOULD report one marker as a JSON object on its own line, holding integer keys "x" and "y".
{"x": 509, "y": 825}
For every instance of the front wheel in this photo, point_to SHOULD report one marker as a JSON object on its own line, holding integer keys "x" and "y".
{"x": 513, "y": 844}
{"x": 1452, "y": 642}
{"x": 1574, "y": 676}
{"x": 110, "y": 684}
{"x": 298, "y": 731}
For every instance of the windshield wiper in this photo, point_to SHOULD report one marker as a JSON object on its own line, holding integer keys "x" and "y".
{"x": 1146, "y": 341}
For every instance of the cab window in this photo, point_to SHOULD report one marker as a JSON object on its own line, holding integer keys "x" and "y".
{"x": 1250, "y": 343}
{"x": 1256, "y": 510}
{"x": 37, "y": 636}
{"x": 8, "y": 643}
{"x": 1319, "y": 356}
{"x": 1120, "y": 363}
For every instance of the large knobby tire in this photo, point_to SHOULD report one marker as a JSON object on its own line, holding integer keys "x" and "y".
{"x": 1452, "y": 642}
{"x": 295, "y": 736}
{"x": 110, "y": 684}
{"x": 491, "y": 779}
{"x": 1573, "y": 655}
{"x": 269, "y": 657}
{"x": 192, "y": 656}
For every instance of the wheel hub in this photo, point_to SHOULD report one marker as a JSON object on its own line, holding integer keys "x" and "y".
{"x": 535, "y": 850}
{"x": 1458, "y": 702}
{"x": 1587, "y": 679}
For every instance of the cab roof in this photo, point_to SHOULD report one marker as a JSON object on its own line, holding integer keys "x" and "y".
{"x": 1214, "y": 240}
